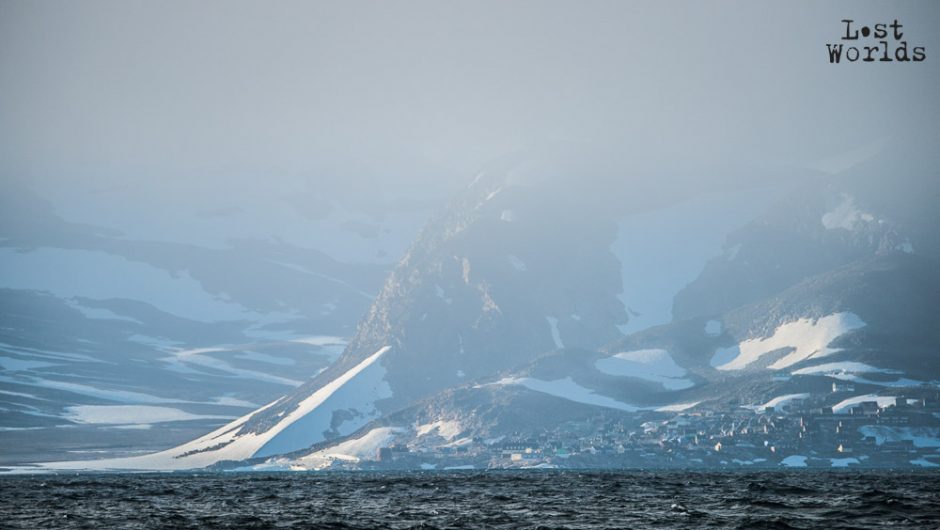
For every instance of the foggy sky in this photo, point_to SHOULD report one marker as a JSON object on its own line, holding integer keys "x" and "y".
{"x": 381, "y": 106}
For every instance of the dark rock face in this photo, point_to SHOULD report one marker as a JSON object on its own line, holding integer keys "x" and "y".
{"x": 843, "y": 247}
{"x": 507, "y": 272}
{"x": 783, "y": 247}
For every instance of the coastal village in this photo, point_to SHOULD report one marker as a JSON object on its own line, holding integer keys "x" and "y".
{"x": 799, "y": 431}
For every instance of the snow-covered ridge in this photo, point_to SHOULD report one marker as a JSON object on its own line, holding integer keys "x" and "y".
{"x": 357, "y": 389}
{"x": 653, "y": 365}
{"x": 191, "y": 455}
{"x": 809, "y": 339}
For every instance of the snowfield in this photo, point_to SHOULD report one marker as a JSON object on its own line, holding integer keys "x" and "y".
{"x": 191, "y": 455}
{"x": 807, "y": 338}
{"x": 99, "y": 275}
{"x": 131, "y": 415}
{"x": 116, "y": 395}
{"x": 650, "y": 365}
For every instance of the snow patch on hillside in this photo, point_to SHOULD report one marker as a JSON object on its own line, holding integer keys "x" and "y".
{"x": 677, "y": 407}
{"x": 844, "y": 367}
{"x": 794, "y": 461}
{"x": 259, "y": 357}
{"x": 183, "y": 360}
{"x": 713, "y": 328}
{"x": 778, "y": 402}
{"x": 651, "y": 365}
{"x": 556, "y": 336}
{"x": 447, "y": 429}
{"x": 846, "y": 215}
{"x": 923, "y": 462}
{"x": 321, "y": 340}
{"x": 439, "y": 292}
{"x": 99, "y": 275}
{"x": 849, "y": 371}
{"x": 330, "y": 345}
{"x": 196, "y": 454}
{"x": 363, "y": 448}
{"x": 842, "y": 462}
{"x": 567, "y": 389}
{"x": 806, "y": 338}
{"x": 10, "y": 364}
{"x": 843, "y": 407}
{"x": 920, "y": 436}
{"x": 131, "y": 415}
{"x": 116, "y": 395}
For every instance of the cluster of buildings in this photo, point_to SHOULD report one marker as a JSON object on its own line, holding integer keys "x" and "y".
{"x": 902, "y": 431}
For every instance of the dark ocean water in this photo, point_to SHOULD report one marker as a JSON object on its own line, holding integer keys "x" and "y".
{"x": 474, "y": 500}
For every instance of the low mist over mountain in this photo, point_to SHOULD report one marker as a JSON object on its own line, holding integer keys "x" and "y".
{"x": 498, "y": 340}
{"x": 324, "y": 235}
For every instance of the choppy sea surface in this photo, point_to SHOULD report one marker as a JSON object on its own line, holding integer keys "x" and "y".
{"x": 512, "y": 499}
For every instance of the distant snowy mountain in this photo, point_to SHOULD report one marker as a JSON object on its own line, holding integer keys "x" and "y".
{"x": 824, "y": 224}
{"x": 494, "y": 281}
{"x": 504, "y": 319}
{"x": 95, "y": 323}
{"x": 831, "y": 329}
